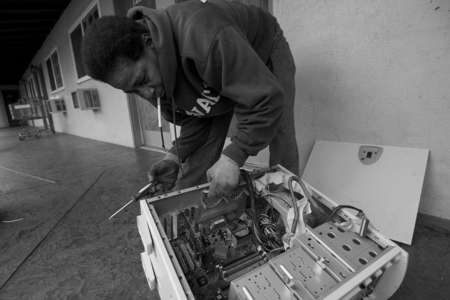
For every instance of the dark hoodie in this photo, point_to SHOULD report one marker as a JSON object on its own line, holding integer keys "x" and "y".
{"x": 213, "y": 58}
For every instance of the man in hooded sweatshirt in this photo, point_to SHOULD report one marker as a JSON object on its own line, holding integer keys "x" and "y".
{"x": 206, "y": 62}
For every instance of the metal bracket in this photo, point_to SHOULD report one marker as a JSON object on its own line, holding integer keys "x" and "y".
{"x": 369, "y": 154}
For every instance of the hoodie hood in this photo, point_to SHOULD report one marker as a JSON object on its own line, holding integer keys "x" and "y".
{"x": 158, "y": 23}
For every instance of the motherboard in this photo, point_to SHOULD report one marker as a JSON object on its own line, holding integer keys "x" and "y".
{"x": 215, "y": 242}
{"x": 272, "y": 238}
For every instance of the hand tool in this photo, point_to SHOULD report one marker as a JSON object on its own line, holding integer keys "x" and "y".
{"x": 147, "y": 190}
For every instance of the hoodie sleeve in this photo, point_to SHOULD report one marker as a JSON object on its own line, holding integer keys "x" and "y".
{"x": 234, "y": 67}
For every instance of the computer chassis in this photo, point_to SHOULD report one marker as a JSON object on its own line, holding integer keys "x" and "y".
{"x": 254, "y": 245}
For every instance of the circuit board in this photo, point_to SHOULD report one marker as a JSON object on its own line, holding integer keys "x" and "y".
{"x": 215, "y": 243}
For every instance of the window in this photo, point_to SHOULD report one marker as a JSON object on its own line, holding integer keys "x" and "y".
{"x": 60, "y": 105}
{"x": 54, "y": 71}
{"x": 76, "y": 38}
{"x": 55, "y": 105}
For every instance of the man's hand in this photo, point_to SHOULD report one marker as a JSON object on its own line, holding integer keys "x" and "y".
{"x": 165, "y": 172}
{"x": 224, "y": 177}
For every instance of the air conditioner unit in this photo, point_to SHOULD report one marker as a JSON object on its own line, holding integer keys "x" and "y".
{"x": 88, "y": 99}
{"x": 56, "y": 105}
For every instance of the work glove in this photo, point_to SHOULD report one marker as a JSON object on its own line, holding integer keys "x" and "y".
{"x": 165, "y": 172}
{"x": 224, "y": 177}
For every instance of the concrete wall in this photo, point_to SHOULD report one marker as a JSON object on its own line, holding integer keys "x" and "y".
{"x": 112, "y": 122}
{"x": 373, "y": 71}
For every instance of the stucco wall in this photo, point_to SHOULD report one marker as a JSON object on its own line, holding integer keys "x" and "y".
{"x": 112, "y": 122}
{"x": 373, "y": 71}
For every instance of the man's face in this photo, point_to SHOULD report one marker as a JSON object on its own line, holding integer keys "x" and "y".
{"x": 142, "y": 77}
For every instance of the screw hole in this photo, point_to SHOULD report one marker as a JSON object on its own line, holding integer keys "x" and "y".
{"x": 372, "y": 253}
{"x": 356, "y": 241}
{"x": 331, "y": 235}
{"x": 363, "y": 261}
{"x": 346, "y": 247}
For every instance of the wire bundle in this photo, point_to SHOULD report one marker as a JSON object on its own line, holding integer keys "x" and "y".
{"x": 265, "y": 229}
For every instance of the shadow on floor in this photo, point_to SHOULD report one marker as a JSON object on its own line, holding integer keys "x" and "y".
{"x": 65, "y": 188}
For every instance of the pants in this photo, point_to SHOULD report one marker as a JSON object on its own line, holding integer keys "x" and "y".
{"x": 283, "y": 147}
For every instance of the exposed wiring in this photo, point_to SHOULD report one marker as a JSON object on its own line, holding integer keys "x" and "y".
{"x": 265, "y": 228}
{"x": 314, "y": 204}
{"x": 276, "y": 250}
{"x": 271, "y": 226}
{"x": 345, "y": 225}
{"x": 294, "y": 202}
{"x": 11, "y": 221}
{"x": 256, "y": 229}
{"x": 212, "y": 205}
{"x": 339, "y": 208}
{"x": 308, "y": 195}
{"x": 251, "y": 192}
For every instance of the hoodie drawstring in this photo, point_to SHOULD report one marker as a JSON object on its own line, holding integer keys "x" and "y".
{"x": 175, "y": 133}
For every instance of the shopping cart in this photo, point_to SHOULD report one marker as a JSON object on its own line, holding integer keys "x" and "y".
{"x": 27, "y": 112}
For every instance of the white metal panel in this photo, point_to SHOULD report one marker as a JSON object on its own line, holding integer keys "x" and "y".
{"x": 167, "y": 282}
{"x": 148, "y": 270}
{"x": 144, "y": 232}
{"x": 388, "y": 191}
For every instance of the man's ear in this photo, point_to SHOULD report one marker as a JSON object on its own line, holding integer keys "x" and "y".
{"x": 147, "y": 39}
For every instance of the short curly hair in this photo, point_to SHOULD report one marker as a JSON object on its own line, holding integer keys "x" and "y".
{"x": 106, "y": 40}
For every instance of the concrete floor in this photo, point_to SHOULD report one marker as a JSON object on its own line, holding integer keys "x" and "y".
{"x": 65, "y": 188}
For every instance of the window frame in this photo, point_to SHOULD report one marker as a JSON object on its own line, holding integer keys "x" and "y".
{"x": 79, "y": 22}
{"x": 47, "y": 58}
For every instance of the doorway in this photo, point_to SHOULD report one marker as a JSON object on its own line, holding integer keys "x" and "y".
{"x": 10, "y": 96}
{"x": 147, "y": 119}
{"x": 42, "y": 96}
